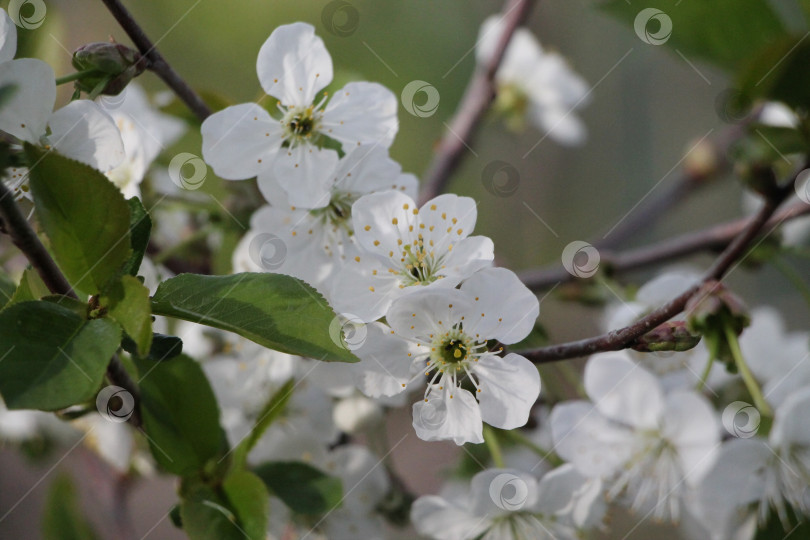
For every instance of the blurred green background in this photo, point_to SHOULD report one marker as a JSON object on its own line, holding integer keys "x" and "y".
{"x": 648, "y": 106}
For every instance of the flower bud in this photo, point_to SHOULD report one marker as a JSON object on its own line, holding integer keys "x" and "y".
{"x": 712, "y": 307}
{"x": 110, "y": 62}
{"x": 670, "y": 336}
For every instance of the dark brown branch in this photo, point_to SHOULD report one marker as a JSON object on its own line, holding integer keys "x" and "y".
{"x": 624, "y": 337}
{"x": 156, "y": 61}
{"x": 714, "y": 238}
{"x": 476, "y": 100}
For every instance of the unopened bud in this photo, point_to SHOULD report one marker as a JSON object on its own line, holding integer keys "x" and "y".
{"x": 670, "y": 336}
{"x": 110, "y": 64}
{"x": 713, "y": 307}
{"x": 702, "y": 161}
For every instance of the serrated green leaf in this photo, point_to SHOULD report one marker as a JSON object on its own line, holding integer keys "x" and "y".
{"x": 723, "y": 32}
{"x": 248, "y": 497}
{"x": 62, "y": 517}
{"x": 271, "y": 410}
{"x": 140, "y": 228}
{"x": 303, "y": 488}
{"x": 163, "y": 347}
{"x": 127, "y": 303}
{"x": 277, "y": 311}
{"x": 779, "y": 72}
{"x": 31, "y": 287}
{"x": 51, "y": 357}
{"x": 180, "y": 414}
{"x": 83, "y": 215}
{"x": 205, "y": 516}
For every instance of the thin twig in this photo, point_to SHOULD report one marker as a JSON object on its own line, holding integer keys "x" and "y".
{"x": 624, "y": 337}
{"x": 476, "y": 100}
{"x": 714, "y": 238}
{"x": 156, "y": 61}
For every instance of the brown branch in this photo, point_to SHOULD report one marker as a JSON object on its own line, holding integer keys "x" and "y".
{"x": 714, "y": 238}
{"x": 157, "y": 63}
{"x": 476, "y": 100}
{"x": 624, "y": 337}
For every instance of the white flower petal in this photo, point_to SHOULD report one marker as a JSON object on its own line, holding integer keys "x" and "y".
{"x": 427, "y": 311}
{"x": 362, "y": 112}
{"x": 240, "y": 141}
{"x": 294, "y": 65}
{"x": 791, "y": 426}
{"x": 448, "y": 219}
{"x": 435, "y": 517}
{"x": 8, "y": 37}
{"x": 305, "y": 174}
{"x": 385, "y": 362}
{"x": 451, "y": 413}
{"x": 81, "y": 130}
{"x": 691, "y": 425}
{"x": 364, "y": 288}
{"x": 624, "y": 391}
{"x": 468, "y": 256}
{"x": 25, "y": 115}
{"x": 366, "y": 169}
{"x": 510, "y": 309}
{"x": 568, "y": 494}
{"x": 560, "y": 124}
{"x": 498, "y": 492}
{"x": 509, "y": 387}
{"x": 381, "y": 219}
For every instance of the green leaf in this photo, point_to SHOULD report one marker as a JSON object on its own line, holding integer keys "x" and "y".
{"x": 51, "y": 357}
{"x": 768, "y": 144}
{"x": 722, "y": 32}
{"x": 31, "y": 287}
{"x": 62, "y": 517}
{"x": 205, "y": 516}
{"x": 163, "y": 347}
{"x": 249, "y": 499}
{"x": 774, "y": 529}
{"x": 7, "y": 289}
{"x": 277, "y": 311}
{"x": 127, "y": 303}
{"x": 140, "y": 228}
{"x": 779, "y": 73}
{"x": 303, "y": 488}
{"x": 271, "y": 410}
{"x": 84, "y": 216}
{"x": 180, "y": 414}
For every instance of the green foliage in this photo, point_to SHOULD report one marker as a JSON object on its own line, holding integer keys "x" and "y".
{"x": 723, "y": 32}
{"x": 84, "y": 216}
{"x": 51, "y": 357}
{"x": 7, "y": 288}
{"x": 180, "y": 415}
{"x": 163, "y": 347}
{"x": 248, "y": 496}
{"x": 140, "y": 228}
{"x": 271, "y": 410}
{"x": 127, "y": 303}
{"x": 31, "y": 287}
{"x": 62, "y": 517}
{"x": 206, "y": 516}
{"x": 303, "y": 488}
{"x": 779, "y": 72}
{"x": 277, "y": 311}
{"x": 774, "y": 529}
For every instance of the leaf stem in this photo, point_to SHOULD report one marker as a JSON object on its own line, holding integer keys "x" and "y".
{"x": 750, "y": 382}
{"x": 73, "y": 76}
{"x": 491, "y": 438}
